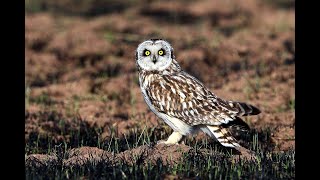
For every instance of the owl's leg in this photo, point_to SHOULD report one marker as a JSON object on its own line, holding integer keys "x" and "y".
{"x": 174, "y": 138}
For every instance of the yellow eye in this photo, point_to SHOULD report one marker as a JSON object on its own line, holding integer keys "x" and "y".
{"x": 147, "y": 53}
{"x": 160, "y": 52}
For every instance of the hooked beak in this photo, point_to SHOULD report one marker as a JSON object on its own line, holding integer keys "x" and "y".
{"x": 154, "y": 59}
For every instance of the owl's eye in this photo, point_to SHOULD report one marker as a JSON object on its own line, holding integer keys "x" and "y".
{"x": 147, "y": 53}
{"x": 160, "y": 52}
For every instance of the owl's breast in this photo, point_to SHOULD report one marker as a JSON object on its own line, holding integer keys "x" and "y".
{"x": 159, "y": 102}
{"x": 144, "y": 81}
{"x": 157, "y": 94}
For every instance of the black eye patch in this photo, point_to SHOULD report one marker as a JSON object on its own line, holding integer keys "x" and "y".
{"x": 162, "y": 52}
{"x": 146, "y": 52}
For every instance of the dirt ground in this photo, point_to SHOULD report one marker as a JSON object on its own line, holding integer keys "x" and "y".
{"x": 80, "y": 71}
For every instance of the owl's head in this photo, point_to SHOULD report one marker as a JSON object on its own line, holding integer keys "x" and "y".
{"x": 154, "y": 55}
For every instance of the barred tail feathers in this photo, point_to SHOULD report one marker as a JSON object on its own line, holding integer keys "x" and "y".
{"x": 245, "y": 109}
{"x": 222, "y": 135}
{"x": 237, "y": 124}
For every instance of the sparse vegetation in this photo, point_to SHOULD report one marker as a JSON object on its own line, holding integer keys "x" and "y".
{"x": 85, "y": 115}
{"x": 204, "y": 158}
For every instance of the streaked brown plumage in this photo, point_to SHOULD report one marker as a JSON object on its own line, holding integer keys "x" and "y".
{"x": 182, "y": 101}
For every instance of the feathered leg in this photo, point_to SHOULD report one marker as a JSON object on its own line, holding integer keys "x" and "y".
{"x": 174, "y": 138}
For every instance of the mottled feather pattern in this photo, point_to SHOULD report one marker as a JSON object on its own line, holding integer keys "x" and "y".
{"x": 182, "y": 96}
{"x": 222, "y": 135}
{"x": 246, "y": 109}
{"x": 184, "y": 103}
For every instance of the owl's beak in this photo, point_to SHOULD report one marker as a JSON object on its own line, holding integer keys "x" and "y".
{"x": 154, "y": 59}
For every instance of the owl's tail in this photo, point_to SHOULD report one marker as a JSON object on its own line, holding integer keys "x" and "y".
{"x": 245, "y": 109}
{"x": 221, "y": 134}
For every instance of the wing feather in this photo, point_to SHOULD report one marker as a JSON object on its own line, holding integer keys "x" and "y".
{"x": 184, "y": 97}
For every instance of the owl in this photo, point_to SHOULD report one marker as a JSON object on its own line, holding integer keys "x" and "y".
{"x": 182, "y": 101}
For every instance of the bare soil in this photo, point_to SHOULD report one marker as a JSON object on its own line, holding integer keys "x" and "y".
{"x": 80, "y": 72}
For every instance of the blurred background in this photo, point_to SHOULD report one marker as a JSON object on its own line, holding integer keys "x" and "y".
{"x": 80, "y": 61}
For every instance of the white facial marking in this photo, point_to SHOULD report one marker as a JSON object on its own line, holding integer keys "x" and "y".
{"x": 154, "y": 61}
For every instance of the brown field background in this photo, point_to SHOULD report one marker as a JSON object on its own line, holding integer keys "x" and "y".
{"x": 80, "y": 61}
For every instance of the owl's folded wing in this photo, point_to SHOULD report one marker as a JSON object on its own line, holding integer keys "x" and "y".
{"x": 184, "y": 97}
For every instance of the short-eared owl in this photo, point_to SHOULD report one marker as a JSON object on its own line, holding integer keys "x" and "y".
{"x": 181, "y": 100}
